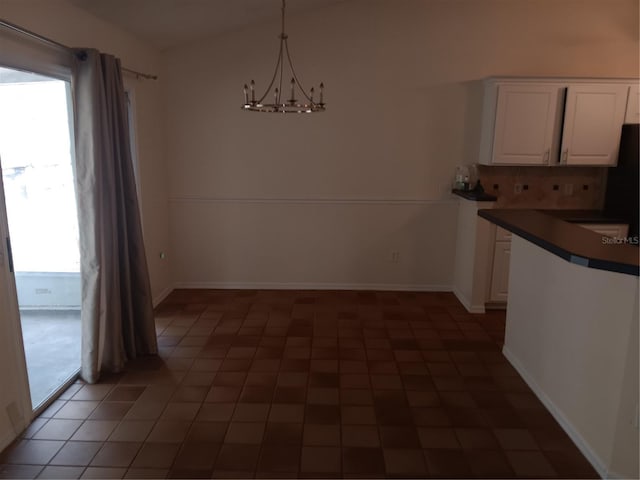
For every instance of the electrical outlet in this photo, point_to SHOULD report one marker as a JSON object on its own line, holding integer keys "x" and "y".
{"x": 517, "y": 188}
{"x": 395, "y": 256}
{"x": 568, "y": 189}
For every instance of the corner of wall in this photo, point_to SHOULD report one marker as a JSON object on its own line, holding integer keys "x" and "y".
{"x": 162, "y": 295}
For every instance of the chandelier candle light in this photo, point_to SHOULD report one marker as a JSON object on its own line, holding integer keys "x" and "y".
{"x": 291, "y": 105}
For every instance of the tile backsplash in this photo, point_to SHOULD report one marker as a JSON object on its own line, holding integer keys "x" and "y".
{"x": 545, "y": 187}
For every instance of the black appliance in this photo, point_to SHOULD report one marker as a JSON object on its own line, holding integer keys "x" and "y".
{"x": 622, "y": 200}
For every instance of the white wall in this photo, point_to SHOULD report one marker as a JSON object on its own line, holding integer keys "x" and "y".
{"x": 316, "y": 244}
{"x": 403, "y": 109}
{"x": 61, "y": 21}
{"x": 626, "y": 445}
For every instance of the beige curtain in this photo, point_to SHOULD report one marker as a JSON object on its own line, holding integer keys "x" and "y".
{"x": 117, "y": 311}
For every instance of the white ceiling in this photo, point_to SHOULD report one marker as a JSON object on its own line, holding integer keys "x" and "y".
{"x": 167, "y": 23}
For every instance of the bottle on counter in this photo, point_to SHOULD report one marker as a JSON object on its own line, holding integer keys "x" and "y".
{"x": 461, "y": 179}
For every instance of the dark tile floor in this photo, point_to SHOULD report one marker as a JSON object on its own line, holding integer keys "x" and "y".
{"x": 305, "y": 384}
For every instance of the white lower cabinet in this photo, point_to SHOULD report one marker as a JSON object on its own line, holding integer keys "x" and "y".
{"x": 615, "y": 230}
{"x": 499, "y": 284}
{"x": 500, "y": 275}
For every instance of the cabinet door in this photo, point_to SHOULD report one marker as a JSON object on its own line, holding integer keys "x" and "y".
{"x": 608, "y": 230}
{"x": 500, "y": 276}
{"x": 593, "y": 119}
{"x": 526, "y": 117}
{"x": 503, "y": 235}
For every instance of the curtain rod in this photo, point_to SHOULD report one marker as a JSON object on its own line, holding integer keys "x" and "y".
{"x": 28, "y": 33}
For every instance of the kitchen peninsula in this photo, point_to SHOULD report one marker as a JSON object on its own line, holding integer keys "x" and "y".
{"x": 572, "y": 331}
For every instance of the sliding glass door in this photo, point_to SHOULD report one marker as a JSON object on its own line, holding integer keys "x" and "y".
{"x": 36, "y": 156}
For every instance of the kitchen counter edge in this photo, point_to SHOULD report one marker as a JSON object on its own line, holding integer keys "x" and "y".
{"x": 568, "y": 241}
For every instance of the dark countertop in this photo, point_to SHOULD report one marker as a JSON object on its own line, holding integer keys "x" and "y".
{"x": 475, "y": 196}
{"x": 570, "y": 242}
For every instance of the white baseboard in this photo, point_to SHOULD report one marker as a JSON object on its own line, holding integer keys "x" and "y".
{"x": 314, "y": 286}
{"x": 596, "y": 462}
{"x": 467, "y": 303}
{"x": 164, "y": 294}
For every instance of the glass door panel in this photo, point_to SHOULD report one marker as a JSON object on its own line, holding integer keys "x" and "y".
{"x": 36, "y": 154}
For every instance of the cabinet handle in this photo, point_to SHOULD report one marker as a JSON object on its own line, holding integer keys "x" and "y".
{"x": 565, "y": 156}
{"x": 547, "y": 156}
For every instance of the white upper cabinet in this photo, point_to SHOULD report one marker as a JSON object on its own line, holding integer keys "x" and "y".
{"x": 594, "y": 114}
{"x": 553, "y": 122}
{"x": 526, "y": 117}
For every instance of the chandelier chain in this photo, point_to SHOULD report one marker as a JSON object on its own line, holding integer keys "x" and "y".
{"x": 275, "y": 75}
{"x": 293, "y": 72}
{"x": 284, "y": 6}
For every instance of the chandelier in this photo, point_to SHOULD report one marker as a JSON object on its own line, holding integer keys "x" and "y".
{"x": 307, "y": 104}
